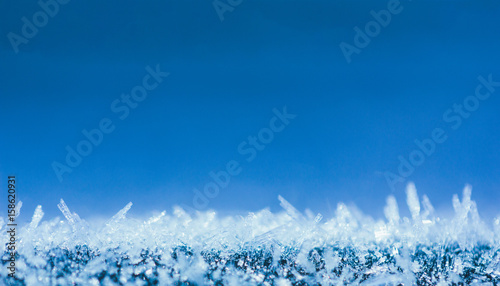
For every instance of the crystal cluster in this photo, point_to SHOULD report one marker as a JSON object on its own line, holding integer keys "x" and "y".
{"x": 263, "y": 248}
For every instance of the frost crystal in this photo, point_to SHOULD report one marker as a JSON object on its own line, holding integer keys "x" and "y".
{"x": 412, "y": 201}
{"x": 287, "y": 248}
{"x": 37, "y": 217}
{"x": 65, "y": 210}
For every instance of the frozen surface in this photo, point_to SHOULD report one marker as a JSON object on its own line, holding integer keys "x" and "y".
{"x": 263, "y": 248}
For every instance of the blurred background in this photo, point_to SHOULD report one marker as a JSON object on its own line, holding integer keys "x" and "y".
{"x": 230, "y": 64}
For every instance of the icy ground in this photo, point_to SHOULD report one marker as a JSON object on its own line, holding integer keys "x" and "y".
{"x": 263, "y": 248}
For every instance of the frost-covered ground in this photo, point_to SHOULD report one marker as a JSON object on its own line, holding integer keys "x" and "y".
{"x": 288, "y": 248}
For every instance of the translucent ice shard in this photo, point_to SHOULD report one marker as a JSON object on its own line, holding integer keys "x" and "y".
{"x": 462, "y": 208}
{"x": 37, "y": 217}
{"x": 120, "y": 215}
{"x": 65, "y": 211}
{"x": 290, "y": 210}
{"x": 391, "y": 210}
{"x": 19, "y": 205}
{"x": 412, "y": 201}
{"x": 428, "y": 208}
{"x": 155, "y": 219}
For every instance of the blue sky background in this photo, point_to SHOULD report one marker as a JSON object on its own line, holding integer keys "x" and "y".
{"x": 353, "y": 122}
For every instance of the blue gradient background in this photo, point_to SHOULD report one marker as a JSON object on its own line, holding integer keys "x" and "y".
{"x": 353, "y": 122}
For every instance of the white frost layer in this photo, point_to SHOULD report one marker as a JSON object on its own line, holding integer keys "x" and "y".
{"x": 205, "y": 231}
{"x": 290, "y": 226}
